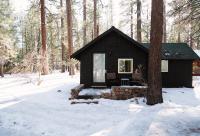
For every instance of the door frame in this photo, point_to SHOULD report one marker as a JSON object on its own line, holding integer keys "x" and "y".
{"x": 98, "y": 83}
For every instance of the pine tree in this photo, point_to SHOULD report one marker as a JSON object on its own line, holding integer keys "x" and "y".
{"x": 62, "y": 37}
{"x": 164, "y": 22}
{"x": 154, "y": 93}
{"x": 139, "y": 21}
{"x": 84, "y": 23}
{"x": 45, "y": 67}
{"x": 95, "y": 19}
{"x": 69, "y": 37}
{"x": 7, "y": 34}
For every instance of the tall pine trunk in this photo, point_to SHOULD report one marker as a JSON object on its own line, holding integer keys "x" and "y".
{"x": 131, "y": 7}
{"x": 191, "y": 36}
{"x": 154, "y": 93}
{"x": 95, "y": 19}
{"x": 179, "y": 37}
{"x": 111, "y": 12}
{"x": 198, "y": 43}
{"x": 164, "y": 22}
{"x": 44, "y": 61}
{"x": 69, "y": 37}
{"x": 1, "y": 70}
{"x": 84, "y": 23}
{"x": 62, "y": 38}
{"x": 139, "y": 22}
{"x": 179, "y": 29}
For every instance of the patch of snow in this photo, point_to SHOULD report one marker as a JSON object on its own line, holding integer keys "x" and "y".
{"x": 91, "y": 91}
{"x": 197, "y": 52}
{"x": 134, "y": 86}
{"x": 27, "y": 109}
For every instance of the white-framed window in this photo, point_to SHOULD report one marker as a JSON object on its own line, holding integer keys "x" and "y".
{"x": 164, "y": 66}
{"x": 125, "y": 66}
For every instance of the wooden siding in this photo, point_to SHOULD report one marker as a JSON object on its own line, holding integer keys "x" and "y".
{"x": 114, "y": 46}
{"x": 179, "y": 74}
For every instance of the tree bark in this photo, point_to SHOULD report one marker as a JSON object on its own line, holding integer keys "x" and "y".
{"x": 95, "y": 18}
{"x": 1, "y": 70}
{"x": 44, "y": 61}
{"x": 69, "y": 36}
{"x": 111, "y": 12}
{"x": 179, "y": 37}
{"x": 198, "y": 43}
{"x": 164, "y": 22}
{"x": 131, "y": 6}
{"x": 154, "y": 93}
{"x": 139, "y": 22}
{"x": 84, "y": 23}
{"x": 191, "y": 36}
{"x": 62, "y": 38}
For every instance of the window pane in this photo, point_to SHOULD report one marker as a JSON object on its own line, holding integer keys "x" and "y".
{"x": 164, "y": 66}
{"x": 121, "y": 66}
{"x": 127, "y": 65}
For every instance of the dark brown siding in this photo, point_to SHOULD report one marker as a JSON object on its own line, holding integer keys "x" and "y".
{"x": 179, "y": 74}
{"x": 114, "y": 46}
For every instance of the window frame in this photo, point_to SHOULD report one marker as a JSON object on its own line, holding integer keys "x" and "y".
{"x": 124, "y": 59}
{"x": 164, "y": 70}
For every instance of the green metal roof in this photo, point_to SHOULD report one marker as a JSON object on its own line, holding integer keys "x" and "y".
{"x": 177, "y": 51}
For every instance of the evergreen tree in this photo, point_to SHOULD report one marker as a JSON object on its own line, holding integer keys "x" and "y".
{"x": 154, "y": 93}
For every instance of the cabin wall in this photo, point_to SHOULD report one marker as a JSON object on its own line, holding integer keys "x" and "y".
{"x": 179, "y": 74}
{"x": 114, "y": 46}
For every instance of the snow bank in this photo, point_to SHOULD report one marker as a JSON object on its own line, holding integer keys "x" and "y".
{"x": 30, "y": 110}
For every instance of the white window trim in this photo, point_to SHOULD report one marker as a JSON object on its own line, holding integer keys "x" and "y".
{"x": 124, "y": 60}
{"x": 162, "y": 65}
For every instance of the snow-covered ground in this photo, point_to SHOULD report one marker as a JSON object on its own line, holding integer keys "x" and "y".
{"x": 27, "y": 109}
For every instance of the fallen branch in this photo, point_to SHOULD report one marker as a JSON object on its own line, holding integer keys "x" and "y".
{"x": 84, "y": 102}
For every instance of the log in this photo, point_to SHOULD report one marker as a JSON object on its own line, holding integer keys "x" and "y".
{"x": 76, "y": 90}
{"x": 84, "y": 102}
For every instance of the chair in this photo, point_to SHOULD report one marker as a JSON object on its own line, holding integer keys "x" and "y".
{"x": 111, "y": 79}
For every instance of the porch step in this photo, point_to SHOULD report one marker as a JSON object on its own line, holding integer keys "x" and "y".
{"x": 99, "y": 86}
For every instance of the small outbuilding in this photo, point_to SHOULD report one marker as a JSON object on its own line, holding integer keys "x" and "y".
{"x": 113, "y": 58}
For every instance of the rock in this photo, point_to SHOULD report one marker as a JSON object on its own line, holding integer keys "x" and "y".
{"x": 59, "y": 91}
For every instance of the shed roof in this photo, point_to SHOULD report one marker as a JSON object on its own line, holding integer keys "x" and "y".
{"x": 178, "y": 51}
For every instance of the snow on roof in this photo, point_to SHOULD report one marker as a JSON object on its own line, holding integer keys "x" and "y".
{"x": 197, "y": 52}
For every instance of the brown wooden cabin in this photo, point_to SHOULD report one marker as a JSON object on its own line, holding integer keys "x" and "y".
{"x": 114, "y": 56}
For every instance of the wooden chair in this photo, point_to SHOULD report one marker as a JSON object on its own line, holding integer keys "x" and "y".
{"x": 111, "y": 79}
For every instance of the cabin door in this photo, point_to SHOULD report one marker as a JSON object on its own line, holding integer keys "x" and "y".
{"x": 99, "y": 67}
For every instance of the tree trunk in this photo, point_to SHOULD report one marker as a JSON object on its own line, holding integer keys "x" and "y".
{"x": 44, "y": 61}
{"x": 111, "y": 12}
{"x": 95, "y": 18}
{"x": 147, "y": 30}
{"x": 62, "y": 38}
{"x": 26, "y": 44}
{"x": 191, "y": 36}
{"x": 84, "y": 23}
{"x": 69, "y": 37}
{"x": 1, "y": 70}
{"x": 154, "y": 93}
{"x": 139, "y": 22}
{"x": 131, "y": 6}
{"x": 35, "y": 66}
{"x": 164, "y": 23}
{"x": 179, "y": 37}
{"x": 198, "y": 43}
